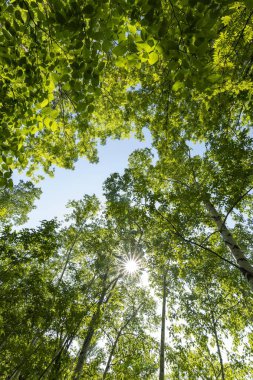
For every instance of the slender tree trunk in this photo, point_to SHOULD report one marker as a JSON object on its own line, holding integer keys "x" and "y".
{"x": 245, "y": 267}
{"x": 15, "y": 375}
{"x": 86, "y": 343}
{"x": 69, "y": 252}
{"x": 55, "y": 357}
{"x": 218, "y": 346}
{"x": 92, "y": 328}
{"x": 108, "y": 364}
{"x": 162, "y": 344}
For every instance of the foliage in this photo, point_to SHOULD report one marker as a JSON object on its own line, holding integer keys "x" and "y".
{"x": 205, "y": 289}
{"x": 74, "y": 73}
{"x": 17, "y": 202}
{"x": 129, "y": 64}
{"x": 67, "y": 286}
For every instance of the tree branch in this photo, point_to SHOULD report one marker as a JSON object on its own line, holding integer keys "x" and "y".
{"x": 235, "y": 204}
{"x": 192, "y": 242}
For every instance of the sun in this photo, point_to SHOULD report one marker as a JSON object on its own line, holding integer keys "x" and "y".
{"x": 131, "y": 266}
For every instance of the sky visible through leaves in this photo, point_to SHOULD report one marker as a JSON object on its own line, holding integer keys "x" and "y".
{"x": 139, "y": 116}
{"x": 87, "y": 178}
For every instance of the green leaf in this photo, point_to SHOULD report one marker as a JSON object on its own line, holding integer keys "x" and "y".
{"x": 153, "y": 58}
{"x": 54, "y": 126}
{"x": 106, "y": 45}
{"x": 177, "y": 86}
{"x": 120, "y": 50}
{"x": 7, "y": 174}
{"x": 44, "y": 103}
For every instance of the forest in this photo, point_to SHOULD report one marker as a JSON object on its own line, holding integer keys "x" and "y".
{"x": 156, "y": 280}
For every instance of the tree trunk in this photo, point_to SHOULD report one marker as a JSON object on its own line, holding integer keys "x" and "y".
{"x": 55, "y": 359}
{"x": 86, "y": 343}
{"x": 242, "y": 261}
{"x": 218, "y": 346}
{"x": 162, "y": 344}
{"x": 108, "y": 364}
{"x": 15, "y": 375}
{"x": 91, "y": 329}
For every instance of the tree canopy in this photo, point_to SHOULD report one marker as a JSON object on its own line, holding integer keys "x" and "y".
{"x": 74, "y": 73}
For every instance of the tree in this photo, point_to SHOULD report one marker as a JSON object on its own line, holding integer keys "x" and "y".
{"x": 93, "y": 324}
{"x": 163, "y": 326}
{"x": 74, "y": 73}
{"x": 188, "y": 195}
{"x": 17, "y": 202}
{"x": 68, "y": 283}
{"x": 129, "y": 65}
{"x": 177, "y": 232}
{"x": 127, "y": 333}
{"x": 27, "y": 276}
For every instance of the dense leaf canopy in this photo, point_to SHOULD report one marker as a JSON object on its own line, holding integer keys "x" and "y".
{"x": 73, "y": 72}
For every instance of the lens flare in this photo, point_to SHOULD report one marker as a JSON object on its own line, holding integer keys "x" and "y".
{"x": 131, "y": 266}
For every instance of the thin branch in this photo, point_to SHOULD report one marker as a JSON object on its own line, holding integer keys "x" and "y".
{"x": 43, "y": 30}
{"x": 242, "y": 31}
{"x": 192, "y": 242}
{"x": 239, "y": 116}
{"x": 177, "y": 181}
{"x": 69, "y": 252}
{"x": 70, "y": 99}
{"x": 108, "y": 336}
{"x": 178, "y": 23}
{"x": 211, "y": 234}
{"x": 235, "y": 204}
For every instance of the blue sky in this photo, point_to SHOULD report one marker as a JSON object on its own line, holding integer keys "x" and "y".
{"x": 87, "y": 178}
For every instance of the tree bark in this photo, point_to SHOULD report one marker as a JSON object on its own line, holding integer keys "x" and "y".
{"x": 86, "y": 343}
{"x": 241, "y": 260}
{"x": 218, "y": 346}
{"x": 91, "y": 329}
{"x": 162, "y": 344}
